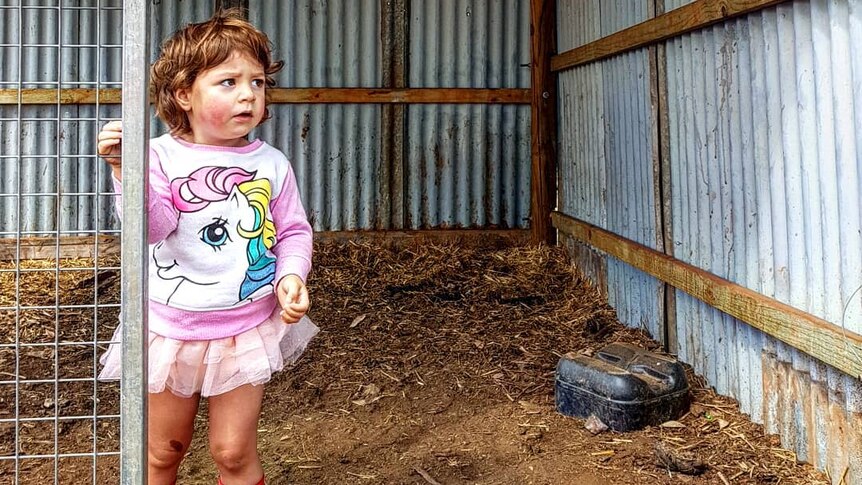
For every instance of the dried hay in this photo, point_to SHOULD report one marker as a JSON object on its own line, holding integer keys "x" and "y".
{"x": 409, "y": 334}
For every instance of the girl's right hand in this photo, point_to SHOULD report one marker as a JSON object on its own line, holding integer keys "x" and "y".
{"x": 110, "y": 139}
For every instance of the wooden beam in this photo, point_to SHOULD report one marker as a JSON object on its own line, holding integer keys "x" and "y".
{"x": 501, "y": 237}
{"x": 401, "y": 96}
{"x": 391, "y": 211}
{"x": 68, "y": 247}
{"x": 85, "y": 246}
{"x": 67, "y": 96}
{"x": 295, "y": 96}
{"x": 543, "y": 115}
{"x": 690, "y": 17}
{"x": 660, "y": 134}
{"x": 810, "y": 334}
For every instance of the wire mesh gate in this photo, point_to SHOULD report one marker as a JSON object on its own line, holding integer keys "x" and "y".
{"x": 61, "y": 66}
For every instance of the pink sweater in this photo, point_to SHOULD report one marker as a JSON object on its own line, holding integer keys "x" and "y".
{"x": 225, "y": 225}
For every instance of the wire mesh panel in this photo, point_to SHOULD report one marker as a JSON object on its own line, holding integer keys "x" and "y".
{"x": 59, "y": 249}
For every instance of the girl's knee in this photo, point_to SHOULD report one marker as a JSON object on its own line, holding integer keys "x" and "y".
{"x": 166, "y": 455}
{"x": 233, "y": 457}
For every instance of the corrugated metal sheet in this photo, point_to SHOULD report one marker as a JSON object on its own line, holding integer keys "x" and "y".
{"x": 765, "y": 130}
{"x": 468, "y": 166}
{"x": 672, "y": 4}
{"x": 606, "y": 150}
{"x": 464, "y": 166}
{"x": 766, "y": 121}
{"x": 335, "y": 149}
{"x": 49, "y": 179}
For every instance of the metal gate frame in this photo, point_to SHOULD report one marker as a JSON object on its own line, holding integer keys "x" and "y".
{"x": 136, "y": 123}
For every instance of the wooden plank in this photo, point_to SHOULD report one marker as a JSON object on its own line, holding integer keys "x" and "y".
{"x": 661, "y": 175}
{"x": 295, "y": 96}
{"x": 810, "y": 334}
{"x": 400, "y": 96}
{"x": 67, "y": 96}
{"x": 543, "y": 115}
{"x": 85, "y": 246}
{"x": 69, "y": 247}
{"x": 690, "y": 17}
{"x": 391, "y": 211}
{"x": 484, "y": 237}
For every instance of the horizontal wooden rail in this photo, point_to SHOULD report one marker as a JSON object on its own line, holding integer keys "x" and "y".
{"x": 85, "y": 246}
{"x": 688, "y": 18}
{"x": 67, "y": 96}
{"x": 67, "y": 247}
{"x": 401, "y": 96}
{"x": 814, "y": 336}
{"x": 293, "y": 96}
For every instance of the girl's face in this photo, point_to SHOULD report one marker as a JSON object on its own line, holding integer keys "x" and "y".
{"x": 225, "y": 102}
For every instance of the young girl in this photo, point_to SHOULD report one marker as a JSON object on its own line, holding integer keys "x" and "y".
{"x": 230, "y": 248}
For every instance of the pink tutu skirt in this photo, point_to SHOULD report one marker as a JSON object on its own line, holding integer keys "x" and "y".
{"x": 212, "y": 367}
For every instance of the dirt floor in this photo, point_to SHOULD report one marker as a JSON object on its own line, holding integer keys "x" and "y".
{"x": 435, "y": 365}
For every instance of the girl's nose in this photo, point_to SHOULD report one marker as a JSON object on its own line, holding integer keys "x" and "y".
{"x": 245, "y": 92}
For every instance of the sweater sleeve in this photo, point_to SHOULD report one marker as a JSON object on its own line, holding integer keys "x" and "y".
{"x": 293, "y": 246}
{"x": 162, "y": 216}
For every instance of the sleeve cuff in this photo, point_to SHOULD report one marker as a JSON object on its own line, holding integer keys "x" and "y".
{"x": 293, "y": 265}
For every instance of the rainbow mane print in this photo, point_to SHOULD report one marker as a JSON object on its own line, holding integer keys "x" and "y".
{"x": 209, "y": 185}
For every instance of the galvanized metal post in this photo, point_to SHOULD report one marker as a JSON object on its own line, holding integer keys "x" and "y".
{"x": 135, "y": 114}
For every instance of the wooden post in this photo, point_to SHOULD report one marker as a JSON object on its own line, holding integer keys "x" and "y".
{"x": 661, "y": 174}
{"x": 394, "y": 37}
{"x": 543, "y": 185}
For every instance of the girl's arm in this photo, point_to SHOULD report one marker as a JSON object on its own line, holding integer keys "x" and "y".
{"x": 162, "y": 216}
{"x": 293, "y": 246}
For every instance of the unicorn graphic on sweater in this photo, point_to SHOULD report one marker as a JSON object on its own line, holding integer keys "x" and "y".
{"x": 218, "y": 253}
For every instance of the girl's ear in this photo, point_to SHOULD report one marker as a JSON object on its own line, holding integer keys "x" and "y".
{"x": 183, "y": 97}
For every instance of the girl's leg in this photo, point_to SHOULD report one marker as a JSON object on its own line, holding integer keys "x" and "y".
{"x": 169, "y": 434}
{"x": 233, "y": 434}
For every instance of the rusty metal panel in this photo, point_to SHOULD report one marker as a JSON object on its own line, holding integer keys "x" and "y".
{"x": 765, "y": 125}
{"x": 335, "y": 149}
{"x": 765, "y": 118}
{"x": 468, "y": 166}
{"x": 606, "y": 150}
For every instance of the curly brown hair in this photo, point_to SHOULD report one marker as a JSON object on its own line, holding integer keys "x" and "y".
{"x": 201, "y": 46}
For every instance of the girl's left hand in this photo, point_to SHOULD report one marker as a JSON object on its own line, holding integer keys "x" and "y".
{"x": 293, "y": 298}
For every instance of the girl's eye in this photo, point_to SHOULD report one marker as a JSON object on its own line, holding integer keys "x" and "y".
{"x": 258, "y": 83}
{"x": 228, "y": 82}
{"x": 215, "y": 233}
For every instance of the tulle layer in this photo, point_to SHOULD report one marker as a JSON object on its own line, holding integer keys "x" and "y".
{"x": 212, "y": 367}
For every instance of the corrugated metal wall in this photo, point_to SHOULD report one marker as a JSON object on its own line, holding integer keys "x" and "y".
{"x": 765, "y": 130}
{"x": 335, "y": 149}
{"x": 468, "y": 165}
{"x": 766, "y": 185}
{"x": 606, "y": 150}
{"x": 460, "y": 166}
{"x": 49, "y": 177}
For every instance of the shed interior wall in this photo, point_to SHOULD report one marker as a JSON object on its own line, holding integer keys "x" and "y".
{"x": 763, "y": 134}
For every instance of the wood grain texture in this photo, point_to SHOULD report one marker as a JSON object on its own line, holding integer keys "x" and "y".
{"x": 543, "y": 115}
{"x": 687, "y": 18}
{"x": 66, "y": 96}
{"x": 810, "y": 334}
{"x": 295, "y": 96}
{"x": 108, "y": 245}
{"x": 67, "y": 247}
